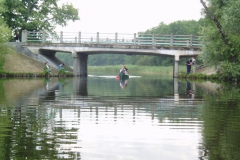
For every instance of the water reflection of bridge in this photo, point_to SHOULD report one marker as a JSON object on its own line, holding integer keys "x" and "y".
{"x": 80, "y": 101}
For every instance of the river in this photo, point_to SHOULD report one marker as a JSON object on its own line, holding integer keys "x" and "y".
{"x": 101, "y": 118}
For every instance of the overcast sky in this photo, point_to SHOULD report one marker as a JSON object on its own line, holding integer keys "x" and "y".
{"x": 129, "y": 16}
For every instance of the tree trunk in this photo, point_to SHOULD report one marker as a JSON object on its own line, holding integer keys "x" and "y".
{"x": 215, "y": 20}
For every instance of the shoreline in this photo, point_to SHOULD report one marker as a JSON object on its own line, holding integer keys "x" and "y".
{"x": 32, "y": 75}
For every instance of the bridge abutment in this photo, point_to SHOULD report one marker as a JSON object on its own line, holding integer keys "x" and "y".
{"x": 80, "y": 64}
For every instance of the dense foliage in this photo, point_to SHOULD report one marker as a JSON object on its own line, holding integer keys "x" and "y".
{"x": 37, "y": 14}
{"x": 221, "y": 42}
{"x": 5, "y": 35}
{"x": 179, "y": 27}
{"x": 5, "y": 32}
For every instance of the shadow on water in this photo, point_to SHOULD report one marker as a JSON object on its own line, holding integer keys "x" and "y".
{"x": 98, "y": 118}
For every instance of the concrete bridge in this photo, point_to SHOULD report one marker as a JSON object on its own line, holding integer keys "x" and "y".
{"x": 80, "y": 45}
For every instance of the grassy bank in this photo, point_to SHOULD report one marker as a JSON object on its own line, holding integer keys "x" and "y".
{"x": 198, "y": 76}
{"x": 4, "y": 74}
{"x": 16, "y": 65}
{"x": 134, "y": 69}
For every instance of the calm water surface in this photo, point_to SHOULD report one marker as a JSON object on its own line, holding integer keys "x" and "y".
{"x": 101, "y": 118}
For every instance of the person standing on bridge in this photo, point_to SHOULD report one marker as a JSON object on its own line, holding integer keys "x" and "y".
{"x": 188, "y": 64}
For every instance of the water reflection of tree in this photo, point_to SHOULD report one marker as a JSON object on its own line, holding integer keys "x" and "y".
{"x": 28, "y": 132}
{"x": 5, "y": 131}
{"x": 33, "y": 139}
{"x": 2, "y": 92}
{"x": 221, "y": 117}
{"x": 5, "y": 124}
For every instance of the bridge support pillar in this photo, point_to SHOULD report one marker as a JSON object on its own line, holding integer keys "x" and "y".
{"x": 24, "y": 36}
{"x": 176, "y": 65}
{"x": 79, "y": 64}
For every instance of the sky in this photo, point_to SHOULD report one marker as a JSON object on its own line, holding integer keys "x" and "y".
{"x": 129, "y": 16}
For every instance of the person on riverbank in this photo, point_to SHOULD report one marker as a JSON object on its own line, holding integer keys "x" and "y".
{"x": 194, "y": 64}
{"x": 193, "y": 61}
{"x": 17, "y": 37}
{"x": 188, "y": 64}
{"x": 61, "y": 69}
{"x": 60, "y": 66}
{"x": 47, "y": 69}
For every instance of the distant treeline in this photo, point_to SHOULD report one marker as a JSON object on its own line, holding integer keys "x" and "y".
{"x": 176, "y": 28}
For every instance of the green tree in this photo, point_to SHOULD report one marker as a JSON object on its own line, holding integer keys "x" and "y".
{"x": 222, "y": 37}
{"x": 5, "y": 32}
{"x": 178, "y": 27}
{"x": 175, "y": 28}
{"x": 37, "y": 14}
{"x": 5, "y": 35}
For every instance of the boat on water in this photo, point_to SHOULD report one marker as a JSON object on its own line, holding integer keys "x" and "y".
{"x": 123, "y": 76}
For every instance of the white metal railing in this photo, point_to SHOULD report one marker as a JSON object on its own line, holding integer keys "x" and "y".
{"x": 112, "y": 38}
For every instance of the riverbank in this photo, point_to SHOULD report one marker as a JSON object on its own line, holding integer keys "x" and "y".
{"x": 18, "y": 65}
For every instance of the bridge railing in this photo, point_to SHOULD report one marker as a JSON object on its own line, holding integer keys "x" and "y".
{"x": 169, "y": 40}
